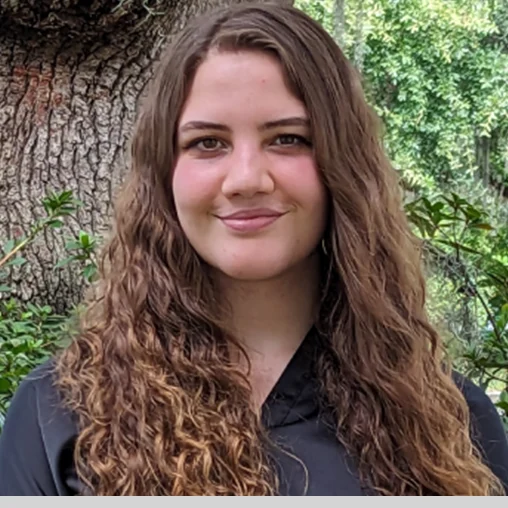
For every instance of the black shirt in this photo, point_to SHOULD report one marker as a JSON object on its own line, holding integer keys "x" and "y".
{"x": 36, "y": 445}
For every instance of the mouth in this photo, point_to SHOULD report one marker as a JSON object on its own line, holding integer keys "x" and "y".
{"x": 248, "y": 221}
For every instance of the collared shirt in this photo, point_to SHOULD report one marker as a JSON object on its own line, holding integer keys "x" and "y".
{"x": 36, "y": 445}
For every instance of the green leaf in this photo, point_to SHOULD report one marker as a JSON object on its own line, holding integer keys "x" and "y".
{"x": 32, "y": 308}
{"x": 55, "y": 223}
{"x": 84, "y": 238}
{"x": 17, "y": 261}
{"x": 65, "y": 196}
{"x": 9, "y": 246}
{"x": 502, "y": 405}
{"x": 66, "y": 210}
{"x": 73, "y": 245}
{"x": 22, "y": 348}
{"x": 21, "y": 328}
{"x": 4, "y": 288}
{"x": 5, "y": 385}
{"x": 481, "y": 225}
{"x": 63, "y": 262}
{"x": 89, "y": 271}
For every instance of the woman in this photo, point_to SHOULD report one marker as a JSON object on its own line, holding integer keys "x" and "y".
{"x": 261, "y": 325}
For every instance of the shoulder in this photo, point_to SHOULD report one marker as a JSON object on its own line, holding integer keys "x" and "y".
{"x": 487, "y": 431}
{"x": 36, "y": 394}
{"x": 41, "y": 376}
{"x": 38, "y": 383}
{"x": 476, "y": 397}
{"x": 36, "y": 435}
{"x": 482, "y": 409}
{"x": 38, "y": 399}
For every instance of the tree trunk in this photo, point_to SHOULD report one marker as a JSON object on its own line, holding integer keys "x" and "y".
{"x": 359, "y": 36}
{"x": 339, "y": 22}
{"x": 71, "y": 76}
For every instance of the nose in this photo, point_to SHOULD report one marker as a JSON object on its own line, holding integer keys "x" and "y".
{"x": 247, "y": 173}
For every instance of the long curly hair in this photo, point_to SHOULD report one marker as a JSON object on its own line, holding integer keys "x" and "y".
{"x": 163, "y": 407}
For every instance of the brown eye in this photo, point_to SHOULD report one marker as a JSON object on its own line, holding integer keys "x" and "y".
{"x": 204, "y": 144}
{"x": 291, "y": 140}
{"x": 208, "y": 144}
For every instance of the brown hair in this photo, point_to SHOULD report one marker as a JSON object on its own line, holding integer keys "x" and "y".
{"x": 163, "y": 409}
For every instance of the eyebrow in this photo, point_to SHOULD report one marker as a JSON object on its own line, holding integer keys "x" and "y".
{"x": 293, "y": 121}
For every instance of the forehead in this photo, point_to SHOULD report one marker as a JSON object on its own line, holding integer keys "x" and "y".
{"x": 248, "y": 82}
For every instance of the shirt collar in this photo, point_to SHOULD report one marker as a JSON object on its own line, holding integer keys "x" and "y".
{"x": 295, "y": 395}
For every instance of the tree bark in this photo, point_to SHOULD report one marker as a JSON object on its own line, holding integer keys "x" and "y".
{"x": 359, "y": 37}
{"x": 340, "y": 22}
{"x": 71, "y": 76}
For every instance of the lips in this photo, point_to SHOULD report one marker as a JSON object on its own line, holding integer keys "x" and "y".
{"x": 246, "y": 221}
{"x": 252, "y": 214}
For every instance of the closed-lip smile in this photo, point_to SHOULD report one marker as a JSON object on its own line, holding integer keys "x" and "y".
{"x": 252, "y": 214}
{"x": 251, "y": 220}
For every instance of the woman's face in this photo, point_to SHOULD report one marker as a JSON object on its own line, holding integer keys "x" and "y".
{"x": 246, "y": 187}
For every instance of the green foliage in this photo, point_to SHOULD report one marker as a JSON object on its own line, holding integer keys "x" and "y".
{"x": 440, "y": 87}
{"x": 30, "y": 334}
{"x": 436, "y": 72}
{"x": 82, "y": 249}
{"x": 466, "y": 249}
{"x": 57, "y": 207}
{"x": 321, "y": 11}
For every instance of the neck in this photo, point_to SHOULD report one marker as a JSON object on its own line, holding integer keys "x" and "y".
{"x": 271, "y": 318}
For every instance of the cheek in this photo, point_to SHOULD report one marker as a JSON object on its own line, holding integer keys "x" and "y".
{"x": 194, "y": 188}
{"x": 303, "y": 183}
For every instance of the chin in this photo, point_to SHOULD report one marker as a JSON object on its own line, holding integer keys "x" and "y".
{"x": 253, "y": 271}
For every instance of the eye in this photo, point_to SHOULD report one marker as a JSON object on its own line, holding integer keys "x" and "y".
{"x": 291, "y": 140}
{"x": 205, "y": 144}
